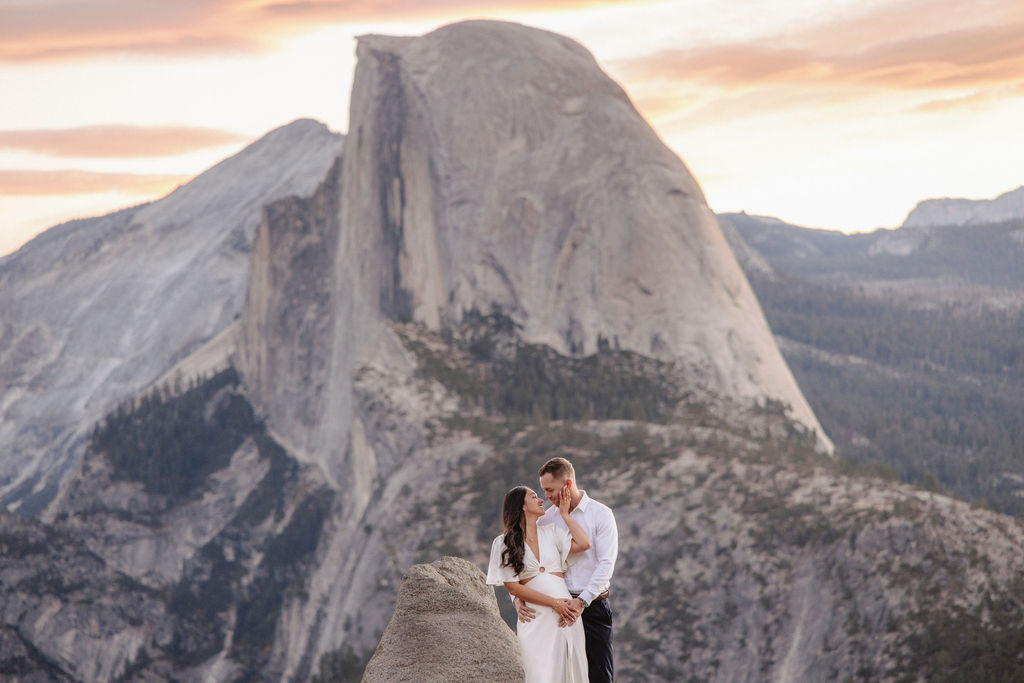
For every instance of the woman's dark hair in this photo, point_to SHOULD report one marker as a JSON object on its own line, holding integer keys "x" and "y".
{"x": 512, "y": 516}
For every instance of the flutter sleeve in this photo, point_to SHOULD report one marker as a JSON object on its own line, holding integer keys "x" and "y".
{"x": 496, "y": 574}
{"x": 564, "y": 542}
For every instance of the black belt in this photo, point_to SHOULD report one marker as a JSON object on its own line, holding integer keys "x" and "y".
{"x": 599, "y": 598}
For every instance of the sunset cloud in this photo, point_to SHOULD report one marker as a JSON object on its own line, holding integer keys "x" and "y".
{"x": 64, "y": 29}
{"x": 956, "y": 54}
{"x": 975, "y": 100}
{"x": 346, "y": 10}
{"x": 117, "y": 141}
{"x": 67, "y": 29}
{"x": 52, "y": 183}
{"x": 973, "y": 57}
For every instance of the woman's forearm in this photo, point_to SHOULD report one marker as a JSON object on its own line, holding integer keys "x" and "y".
{"x": 580, "y": 540}
{"x": 527, "y": 594}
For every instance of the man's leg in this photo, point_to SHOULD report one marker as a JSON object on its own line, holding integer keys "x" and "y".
{"x": 597, "y": 624}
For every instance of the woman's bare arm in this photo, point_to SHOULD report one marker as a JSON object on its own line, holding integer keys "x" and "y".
{"x": 580, "y": 540}
{"x": 527, "y": 594}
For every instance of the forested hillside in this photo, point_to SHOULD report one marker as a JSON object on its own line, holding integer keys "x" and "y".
{"x": 928, "y": 387}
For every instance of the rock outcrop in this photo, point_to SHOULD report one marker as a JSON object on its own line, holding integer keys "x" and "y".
{"x": 491, "y": 165}
{"x": 94, "y": 310}
{"x": 446, "y": 628}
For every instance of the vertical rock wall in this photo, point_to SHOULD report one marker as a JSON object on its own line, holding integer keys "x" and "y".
{"x": 490, "y": 164}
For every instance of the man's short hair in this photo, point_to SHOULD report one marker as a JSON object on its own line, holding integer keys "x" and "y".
{"x": 559, "y": 468}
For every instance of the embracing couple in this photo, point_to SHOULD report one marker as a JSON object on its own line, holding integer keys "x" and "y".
{"x": 557, "y": 565}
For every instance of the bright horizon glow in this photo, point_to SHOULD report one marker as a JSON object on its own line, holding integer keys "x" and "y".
{"x": 783, "y": 109}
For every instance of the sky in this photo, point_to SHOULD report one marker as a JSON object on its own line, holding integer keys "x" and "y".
{"x": 840, "y": 114}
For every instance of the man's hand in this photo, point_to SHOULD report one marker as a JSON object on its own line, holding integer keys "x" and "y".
{"x": 526, "y": 613}
{"x": 577, "y": 607}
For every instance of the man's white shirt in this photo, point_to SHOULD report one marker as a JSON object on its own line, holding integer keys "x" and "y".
{"x": 591, "y": 574}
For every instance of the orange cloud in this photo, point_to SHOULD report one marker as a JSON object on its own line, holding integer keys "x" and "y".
{"x": 65, "y": 29}
{"x": 974, "y": 100}
{"x": 721, "y": 64}
{"x": 52, "y": 183}
{"x": 927, "y": 49}
{"x": 156, "y": 43}
{"x": 117, "y": 141}
{"x": 657, "y": 104}
{"x": 347, "y": 10}
{"x": 70, "y": 28}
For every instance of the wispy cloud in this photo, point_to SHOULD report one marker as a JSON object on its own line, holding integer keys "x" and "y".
{"x": 349, "y": 10}
{"x": 117, "y": 141}
{"x": 979, "y": 56}
{"x": 726, "y": 65}
{"x": 52, "y": 183}
{"x": 975, "y": 100}
{"x": 67, "y": 29}
{"x": 930, "y": 49}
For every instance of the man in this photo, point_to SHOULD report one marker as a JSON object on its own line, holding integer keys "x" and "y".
{"x": 589, "y": 578}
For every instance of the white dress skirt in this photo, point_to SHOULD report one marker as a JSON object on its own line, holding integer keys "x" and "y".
{"x": 550, "y": 653}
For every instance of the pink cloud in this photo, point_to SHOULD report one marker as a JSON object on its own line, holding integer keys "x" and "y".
{"x": 117, "y": 141}
{"x": 904, "y": 46}
{"x": 52, "y": 183}
{"x": 66, "y": 29}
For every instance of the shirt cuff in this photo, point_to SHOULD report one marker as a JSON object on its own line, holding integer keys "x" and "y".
{"x": 587, "y": 597}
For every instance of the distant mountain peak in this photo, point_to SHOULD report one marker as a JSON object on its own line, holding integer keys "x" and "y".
{"x": 961, "y": 211}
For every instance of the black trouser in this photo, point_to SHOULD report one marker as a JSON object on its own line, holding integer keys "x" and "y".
{"x": 597, "y": 624}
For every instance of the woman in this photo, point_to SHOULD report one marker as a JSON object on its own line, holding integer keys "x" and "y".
{"x": 531, "y": 562}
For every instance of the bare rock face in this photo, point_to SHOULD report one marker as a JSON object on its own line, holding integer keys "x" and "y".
{"x": 94, "y": 310}
{"x": 446, "y": 627}
{"x": 493, "y": 165}
{"x": 502, "y": 166}
{"x": 64, "y": 615}
{"x": 290, "y": 308}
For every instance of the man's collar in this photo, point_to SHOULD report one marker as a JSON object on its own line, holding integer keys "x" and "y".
{"x": 584, "y": 502}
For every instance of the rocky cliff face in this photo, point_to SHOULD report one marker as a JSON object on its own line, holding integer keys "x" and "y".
{"x": 94, "y": 310}
{"x": 548, "y": 196}
{"x": 292, "y": 298}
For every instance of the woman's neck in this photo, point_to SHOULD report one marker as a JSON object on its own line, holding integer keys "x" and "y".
{"x": 530, "y": 526}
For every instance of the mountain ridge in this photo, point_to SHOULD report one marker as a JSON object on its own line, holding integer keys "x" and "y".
{"x": 960, "y": 211}
{"x": 96, "y": 309}
{"x": 910, "y": 355}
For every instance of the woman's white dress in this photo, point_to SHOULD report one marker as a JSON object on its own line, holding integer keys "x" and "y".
{"x": 551, "y": 654}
